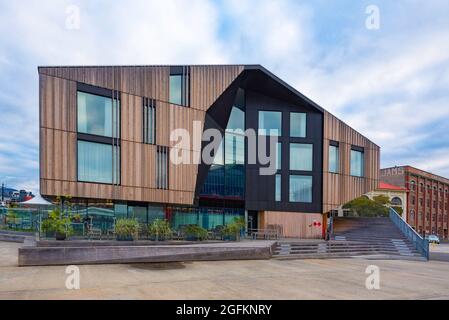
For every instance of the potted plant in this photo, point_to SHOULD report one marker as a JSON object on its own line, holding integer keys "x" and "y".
{"x": 233, "y": 231}
{"x": 159, "y": 230}
{"x": 57, "y": 224}
{"x": 126, "y": 229}
{"x": 194, "y": 232}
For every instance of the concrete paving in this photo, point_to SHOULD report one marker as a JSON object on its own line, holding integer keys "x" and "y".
{"x": 264, "y": 279}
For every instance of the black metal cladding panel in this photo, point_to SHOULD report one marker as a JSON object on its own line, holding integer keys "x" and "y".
{"x": 260, "y": 190}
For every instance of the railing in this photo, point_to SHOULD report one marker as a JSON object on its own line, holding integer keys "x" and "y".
{"x": 421, "y": 244}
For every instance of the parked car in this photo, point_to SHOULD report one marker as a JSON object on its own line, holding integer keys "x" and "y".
{"x": 433, "y": 239}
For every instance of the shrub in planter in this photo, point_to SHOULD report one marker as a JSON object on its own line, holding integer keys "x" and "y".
{"x": 233, "y": 231}
{"x": 57, "y": 224}
{"x": 126, "y": 229}
{"x": 160, "y": 230}
{"x": 194, "y": 232}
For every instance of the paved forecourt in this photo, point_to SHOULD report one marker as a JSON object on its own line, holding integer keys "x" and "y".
{"x": 245, "y": 279}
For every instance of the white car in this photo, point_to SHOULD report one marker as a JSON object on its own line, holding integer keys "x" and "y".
{"x": 433, "y": 239}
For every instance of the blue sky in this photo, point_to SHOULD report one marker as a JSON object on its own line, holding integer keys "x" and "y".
{"x": 391, "y": 84}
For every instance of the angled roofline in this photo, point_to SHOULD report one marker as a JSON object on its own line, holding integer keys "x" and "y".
{"x": 283, "y": 83}
{"x": 247, "y": 67}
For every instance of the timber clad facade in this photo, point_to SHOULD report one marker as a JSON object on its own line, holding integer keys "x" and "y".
{"x": 105, "y": 141}
{"x": 427, "y": 198}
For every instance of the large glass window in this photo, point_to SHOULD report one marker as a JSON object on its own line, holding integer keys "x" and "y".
{"x": 270, "y": 123}
{"x": 300, "y": 189}
{"x": 298, "y": 125}
{"x": 98, "y": 115}
{"x": 176, "y": 89}
{"x": 357, "y": 162}
{"x": 301, "y": 156}
{"x": 278, "y": 187}
{"x": 236, "y": 121}
{"x": 333, "y": 159}
{"x": 96, "y": 162}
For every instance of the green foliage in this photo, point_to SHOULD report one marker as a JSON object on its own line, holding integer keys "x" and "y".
{"x": 364, "y": 207}
{"x": 58, "y": 223}
{"x": 399, "y": 210}
{"x": 160, "y": 229}
{"x": 382, "y": 199}
{"x": 195, "y": 231}
{"x": 233, "y": 229}
{"x": 127, "y": 228}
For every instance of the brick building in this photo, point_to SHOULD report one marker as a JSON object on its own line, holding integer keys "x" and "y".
{"x": 427, "y": 198}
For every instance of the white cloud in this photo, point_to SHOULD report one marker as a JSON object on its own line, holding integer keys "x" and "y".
{"x": 391, "y": 85}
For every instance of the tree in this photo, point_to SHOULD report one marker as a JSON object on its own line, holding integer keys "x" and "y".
{"x": 364, "y": 207}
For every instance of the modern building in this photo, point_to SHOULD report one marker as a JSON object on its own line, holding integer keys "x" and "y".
{"x": 396, "y": 194}
{"x": 105, "y": 141}
{"x": 427, "y": 198}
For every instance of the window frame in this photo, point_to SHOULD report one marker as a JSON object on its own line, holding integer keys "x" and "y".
{"x": 336, "y": 145}
{"x": 305, "y": 124}
{"x": 361, "y": 151}
{"x": 268, "y": 134}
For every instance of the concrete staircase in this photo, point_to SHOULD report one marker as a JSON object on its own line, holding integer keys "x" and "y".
{"x": 377, "y": 238}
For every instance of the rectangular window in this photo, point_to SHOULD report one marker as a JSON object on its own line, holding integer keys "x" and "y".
{"x": 98, "y": 162}
{"x": 333, "y": 158}
{"x": 298, "y": 125}
{"x": 179, "y": 86}
{"x": 279, "y": 156}
{"x": 162, "y": 167}
{"x": 300, "y": 189}
{"x": 357, "y": 163}
{"x": 98, "y": 115}
{"x": 301, "y": 157}
{"x": 270, "y": 123}
{"x": 278, "y": 188}
{"x": 149, "y": 121}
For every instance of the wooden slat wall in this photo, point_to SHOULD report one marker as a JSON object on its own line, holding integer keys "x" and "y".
{"x": 295, "y": 224}
{"x": 58, "y": 103}
{"x": 340, "y": 188}
{"x": 209, "y": 82}
{"x": 58, "y": 128}
{"x": 131, "y": 114}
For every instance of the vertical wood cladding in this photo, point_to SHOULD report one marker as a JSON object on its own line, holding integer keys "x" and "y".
{"x": 294, "y": 224}
{"x": 58, "y": 128}
{"x": 342, "y": 187}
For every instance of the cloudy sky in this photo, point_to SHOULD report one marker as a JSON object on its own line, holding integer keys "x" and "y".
{"x": 391, "y": 83}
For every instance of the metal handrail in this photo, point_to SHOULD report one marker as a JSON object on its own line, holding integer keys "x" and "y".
{"x": 421, "y": 244}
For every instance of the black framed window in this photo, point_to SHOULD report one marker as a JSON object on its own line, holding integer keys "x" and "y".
{"x": 278, "y": 188}
{"x": 333, "y": 157}
{"x": 270, "y": 123}
{"x": 179, "y": 86}
{"x": 149, "y": 121}
{"x": 298, "y": 124}
{"x": 301, "y": 188}
{"x": 98, "y": 126}
{"x": 96, "y": 162}
{"x": 301, "y": 156}
{"x": 357, "y": 162}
